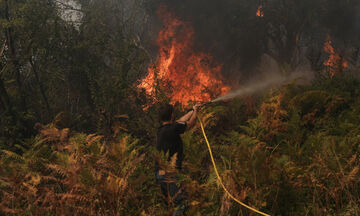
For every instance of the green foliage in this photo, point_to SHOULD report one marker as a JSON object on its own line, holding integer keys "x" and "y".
{"x": 75, "y": 175}
{"x": 287, "y": 160}
{"x": 295, "y": 151}
{"x": 297, "y": 154}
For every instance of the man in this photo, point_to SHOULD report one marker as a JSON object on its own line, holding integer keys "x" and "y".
{"x": 169, "y": 141}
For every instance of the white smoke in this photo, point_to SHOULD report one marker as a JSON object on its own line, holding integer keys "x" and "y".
{"x": 70, "y": 11}
{"x": 269, "y": 76}
{"x": 260, "y": 85}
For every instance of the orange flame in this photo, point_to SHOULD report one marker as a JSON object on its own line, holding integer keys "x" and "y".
{"x": 259, "y": 12}
{"x": 185, "y": 75}
{"x": 336, "y": 63}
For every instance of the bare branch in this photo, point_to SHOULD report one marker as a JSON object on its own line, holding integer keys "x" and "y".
{"x": 69, "y": 7}
{"x": 2, "y": 48}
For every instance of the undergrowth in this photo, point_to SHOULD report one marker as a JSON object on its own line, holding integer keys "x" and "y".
{"x": 297, "y": 153}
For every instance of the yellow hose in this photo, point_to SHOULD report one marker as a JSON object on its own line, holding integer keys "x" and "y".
{"x": 218, "y": 176}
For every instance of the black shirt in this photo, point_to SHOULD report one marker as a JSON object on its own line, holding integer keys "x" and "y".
{"x": 168, "y": 139}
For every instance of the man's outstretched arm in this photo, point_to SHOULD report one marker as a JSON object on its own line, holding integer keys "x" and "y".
{"x": 190, "y": 117}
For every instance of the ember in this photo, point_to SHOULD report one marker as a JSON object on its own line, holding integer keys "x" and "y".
{"x": 186, "y": 75}
{"x": 336, "y": 63}
{"x": 259, "y": 12}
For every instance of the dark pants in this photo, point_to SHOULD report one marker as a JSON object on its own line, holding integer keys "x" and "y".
{"x": 170, "y": 190}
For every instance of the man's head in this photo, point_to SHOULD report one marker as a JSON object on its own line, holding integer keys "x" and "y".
{"x": 166, "y": 113}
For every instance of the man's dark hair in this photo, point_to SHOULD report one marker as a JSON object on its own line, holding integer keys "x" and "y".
{"x": 166, "y": 112}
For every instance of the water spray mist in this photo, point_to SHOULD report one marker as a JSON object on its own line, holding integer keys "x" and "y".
{"x": 256, "y": 86}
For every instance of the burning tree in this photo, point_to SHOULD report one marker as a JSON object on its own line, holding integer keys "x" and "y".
{"x": 336, "y": 62}
{"x": 259, "y": 12}
{"x": 185, "y": 74}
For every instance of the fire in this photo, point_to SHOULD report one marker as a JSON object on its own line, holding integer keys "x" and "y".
{"x": 184, "y": 74}
{"x": 259, "y": 12}
{"x": 335, "y": 63}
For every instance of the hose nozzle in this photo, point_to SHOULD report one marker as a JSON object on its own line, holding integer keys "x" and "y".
{"x": 201, "y": 105}
{"x": 206, "y": 103}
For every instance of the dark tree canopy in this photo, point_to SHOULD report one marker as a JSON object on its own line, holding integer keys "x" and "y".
{"x": 77, "y": 135}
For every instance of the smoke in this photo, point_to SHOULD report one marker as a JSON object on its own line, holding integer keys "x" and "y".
{"x": 70, "y": 11}
{"x": 269, "y": 75}
{"x": 228, "y": 30}
{"x": 232, "y": 33}
{"x": 263, "y": 84}
{"x": 342, "y": 20}
{"x": 357, "y": 25}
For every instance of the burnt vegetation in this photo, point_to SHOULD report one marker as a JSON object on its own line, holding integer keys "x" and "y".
{"x": 77, "y": 134}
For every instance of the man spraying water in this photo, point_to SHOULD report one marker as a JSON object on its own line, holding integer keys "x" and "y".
{"x": 169, "y": 141}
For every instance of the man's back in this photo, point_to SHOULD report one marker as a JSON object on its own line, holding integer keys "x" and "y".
{"x": 169, "y": 140}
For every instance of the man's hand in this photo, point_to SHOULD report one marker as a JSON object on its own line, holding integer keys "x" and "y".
{"x": 196, "y": 107}
{"x": 190, "y": 117}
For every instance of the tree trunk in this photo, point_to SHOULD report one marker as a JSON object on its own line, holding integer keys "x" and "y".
{"x": 41, "y": 88}
{"x": 89, "y": 99}
{"x": 4, "y": 96}
{"x": 5, "y": 100}
{"x": 14, "y": 60}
